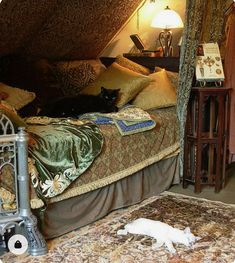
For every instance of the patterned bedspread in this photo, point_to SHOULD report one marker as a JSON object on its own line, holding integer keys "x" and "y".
{"x": 124, "y": 155}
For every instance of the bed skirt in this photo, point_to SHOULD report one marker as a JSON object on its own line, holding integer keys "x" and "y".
{"x": 64, "y": 216}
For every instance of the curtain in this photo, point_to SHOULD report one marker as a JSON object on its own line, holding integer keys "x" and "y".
{"x": 229, "y": 65}
{"x": 203, "y": 22}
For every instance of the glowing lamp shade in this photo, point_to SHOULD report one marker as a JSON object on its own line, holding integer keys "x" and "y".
{"x": 167, "y": 19}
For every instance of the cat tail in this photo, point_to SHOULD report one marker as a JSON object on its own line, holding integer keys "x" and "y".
{"x": 122, "y": 232}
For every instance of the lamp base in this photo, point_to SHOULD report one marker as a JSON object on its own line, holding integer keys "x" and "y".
{"x": 165, "y": 39}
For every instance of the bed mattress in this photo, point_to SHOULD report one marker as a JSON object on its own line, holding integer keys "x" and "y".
{"x": 122, "y": 156}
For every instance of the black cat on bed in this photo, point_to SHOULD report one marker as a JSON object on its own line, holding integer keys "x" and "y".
{"x": 74, "y": 106}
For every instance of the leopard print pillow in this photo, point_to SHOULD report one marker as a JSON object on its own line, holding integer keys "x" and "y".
{"x": 74, "y": 76}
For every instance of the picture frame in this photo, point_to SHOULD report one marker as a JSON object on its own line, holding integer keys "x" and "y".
{"x": 137, "y": 41}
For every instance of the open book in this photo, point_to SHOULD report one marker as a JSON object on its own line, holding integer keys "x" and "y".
{"x": 208, "y": 63}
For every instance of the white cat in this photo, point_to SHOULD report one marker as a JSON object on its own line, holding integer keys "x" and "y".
{"x": 163, "y": 233}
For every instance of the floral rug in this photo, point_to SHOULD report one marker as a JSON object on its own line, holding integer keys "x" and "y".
{"x": 214, "y": 222}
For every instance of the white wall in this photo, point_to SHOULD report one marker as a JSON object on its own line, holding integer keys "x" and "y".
{"x": 140, "y": 24}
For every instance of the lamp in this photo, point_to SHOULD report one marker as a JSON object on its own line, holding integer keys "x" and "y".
{"x": 166, "y": 19}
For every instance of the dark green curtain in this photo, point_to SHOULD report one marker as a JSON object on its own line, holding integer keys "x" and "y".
{"x": 203, "y": 23}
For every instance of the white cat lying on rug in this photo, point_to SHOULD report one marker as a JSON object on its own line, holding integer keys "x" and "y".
{"x": 163, "y": 233}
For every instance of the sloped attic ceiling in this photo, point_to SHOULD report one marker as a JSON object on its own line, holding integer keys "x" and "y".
{"x": 61, "y": 29}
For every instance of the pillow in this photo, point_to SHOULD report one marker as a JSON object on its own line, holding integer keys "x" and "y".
{"x": 129, "y": 82}
{"x": 173, "y": 76}
{"x": 77, "y": 74}
{"x": 160, "y": 93}
{"x": 17, "y": 98}
{"x": 8, "y": 199}
{"x": 127, "y": 63}
{"x": 47, "y": 84}
{"x": 97, "y": 65}
{"x": 11, "y": 113}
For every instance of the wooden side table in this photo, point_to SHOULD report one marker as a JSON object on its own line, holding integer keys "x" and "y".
{"x": 206, "y": 138}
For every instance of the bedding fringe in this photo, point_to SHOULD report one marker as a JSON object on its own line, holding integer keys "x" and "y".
{"x": 166, "y": 153}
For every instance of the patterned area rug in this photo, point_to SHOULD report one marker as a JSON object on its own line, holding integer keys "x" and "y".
{"x": 214, "y": 222}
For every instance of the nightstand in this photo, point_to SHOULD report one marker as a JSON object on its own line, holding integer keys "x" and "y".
{"x": 206, "y": 138}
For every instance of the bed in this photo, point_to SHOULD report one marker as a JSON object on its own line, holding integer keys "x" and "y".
{"x": 121, "y": 169}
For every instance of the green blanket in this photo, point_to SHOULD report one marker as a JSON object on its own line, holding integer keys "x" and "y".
{"x": 62, "y": 149}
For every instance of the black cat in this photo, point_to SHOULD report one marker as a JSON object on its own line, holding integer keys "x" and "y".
{"x": 74, "y": 106}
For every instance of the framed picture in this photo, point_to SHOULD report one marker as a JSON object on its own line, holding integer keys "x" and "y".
{"x": 137, "y": 41}
{"x": 208, "y": 63}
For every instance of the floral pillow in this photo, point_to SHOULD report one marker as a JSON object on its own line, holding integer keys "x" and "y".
{"x": 8, "y": 199}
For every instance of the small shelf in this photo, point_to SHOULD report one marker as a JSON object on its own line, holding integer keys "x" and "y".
{"x": 206, "y": 135}
{"x": 203, "y": 139}
{"x": 171, "y": 63}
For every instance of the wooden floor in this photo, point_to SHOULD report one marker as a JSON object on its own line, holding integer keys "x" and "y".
{"x": 226, "y": 195}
